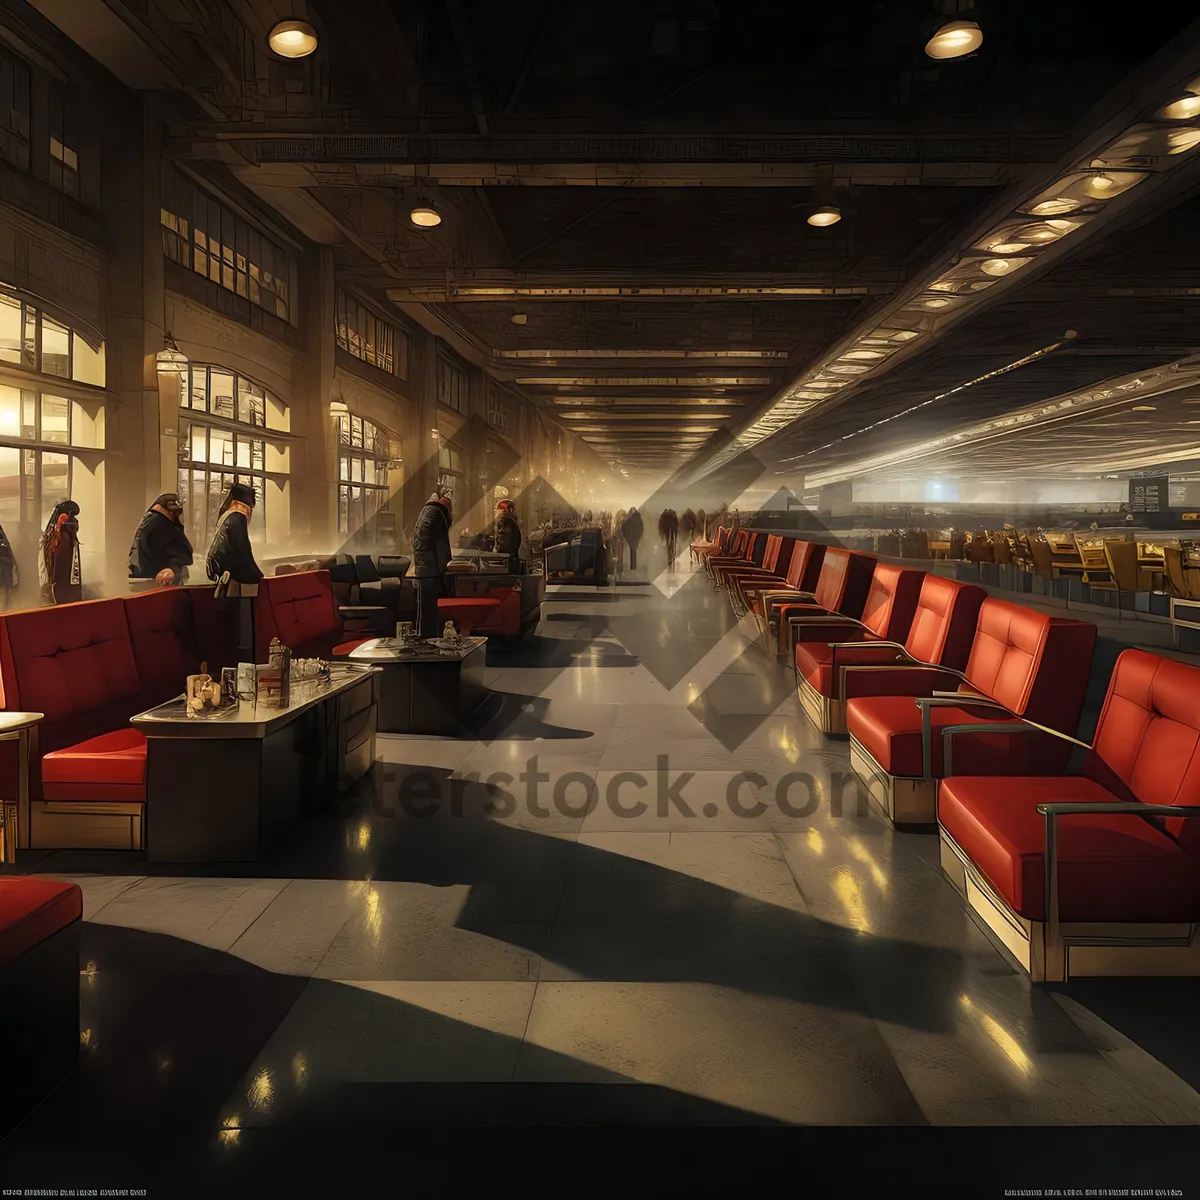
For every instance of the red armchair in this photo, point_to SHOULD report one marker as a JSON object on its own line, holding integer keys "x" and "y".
{"x": 803, "y": 572}
{"x": 1096, "y": 873}
{"x": 832, "y": 659}
{"x": 777, "y": 554}
{"x": 841, "y": 590}
{"x": 1023, "y": 664}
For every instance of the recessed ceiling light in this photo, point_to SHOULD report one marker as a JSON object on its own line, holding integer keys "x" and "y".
{"x": 519, "y": 318}
{"x": 1145, "y": 408}
{"x": 1181, "y": 140}
{"x": 426, "y": 216}
{"x": 1183, "y": 109}
{"x": 1010, "y": 247}
{"x": 292, "y": 39}
{"x": 1052, "y": 207}
{"x": 825, "y": 216}
{"x": 996, "y": 266}
{"x": 1100, "y": 182}
{"x": 936, "y": 302}
{"x": 863, "y": 355}
{"x": 954, "y": 40}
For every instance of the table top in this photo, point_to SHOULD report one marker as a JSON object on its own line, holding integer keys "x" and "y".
{"x": 14, "y": 722}
{"x": 246, "y": 719}
{"x": 389, "y": 650}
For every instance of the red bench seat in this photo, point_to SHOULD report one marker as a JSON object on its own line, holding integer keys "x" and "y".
{"x": 1123, "y": 897}
{"x": 109, "y": 767}
{"x": 32, "y": 911}
{"x": 1023, "y": 663}
{"x": 467, "y": 611}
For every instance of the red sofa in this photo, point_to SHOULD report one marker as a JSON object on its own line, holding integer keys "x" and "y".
{"x": 89, "y": 667}
{"x": 301, "y": 610}
{"x": 39, "y": 990}
{"x": 1023, "y": 663}
{"x": 842, "y": 589}
{"x": 837, "y": 662}
{"x": 1095, "y": 873}
{"x": 502, "y": 607}
{"x": 802, "y": 575}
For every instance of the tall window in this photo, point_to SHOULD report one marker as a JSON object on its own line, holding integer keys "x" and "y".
{"x": 36, "y": 342}
{"x": 206, "y": 237}
{"x": 449, "y": 468}
{"x": 14, "y": 110}
{"x": 499, "y": 411}
{"x": 371, "y": 338}
{"x": 232, "y": 431}
{"x": 363, "y": 454}
{"x": 451, "y": 385}
{"x": 64, "y": 160}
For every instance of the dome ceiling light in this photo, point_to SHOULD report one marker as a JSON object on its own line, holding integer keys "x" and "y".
{"x": 425, "y": 216}
{"x": 1145, "y": 408}
{"x": 1184, "y": 108}
{"x": 954, "y": 40}
{"x": 519, "y": 318}
{"x": 1054, "y": 206}
{"x": 292, "y": 39}
{"x": 1101, "y": 182}
{"x": 825, "y": 216}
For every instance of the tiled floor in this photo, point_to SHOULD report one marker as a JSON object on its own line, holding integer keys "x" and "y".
{"x": 583, "y": 911}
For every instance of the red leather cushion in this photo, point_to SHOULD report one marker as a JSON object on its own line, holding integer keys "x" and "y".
{"x": 111, "y": 766}
{"x": 815, "y": 659}
{"x": 68, "y": 660}
{"x": 1148, "y": 735}
{"x": 217, "y": 624}
{"x": 889, "y": 729}
{"x": 845, "y": 581}
{"x": 1033, "y": 664}
{"x": 164, "y": 642}
{"x": 32, "y": 910}
{"x": 299, "y": 610}
{"x": 943, "y": 626}
{"x": 342, "y": 649}
{"x": 1111, "y": 868}
{"x": 900, "y": 681}
{"x": 892, "y": 601}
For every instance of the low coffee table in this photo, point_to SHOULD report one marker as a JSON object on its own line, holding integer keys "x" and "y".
{"x": 431, "y": 687}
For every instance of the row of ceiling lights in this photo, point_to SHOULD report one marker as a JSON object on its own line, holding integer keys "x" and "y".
{"x": 1066, "y": 206}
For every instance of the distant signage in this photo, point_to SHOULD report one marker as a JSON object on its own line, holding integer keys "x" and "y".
{"x": 1150, "y": 494}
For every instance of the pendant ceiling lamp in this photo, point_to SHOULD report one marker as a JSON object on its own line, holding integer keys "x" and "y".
{"x": 954, "y": 40}
{"x": 292, "y": 39}
{"x": 426, "y": 216}
{"x": 825, "y": 216}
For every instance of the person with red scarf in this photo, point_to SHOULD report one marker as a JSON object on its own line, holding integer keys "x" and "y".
{"x": 61, "y": 578}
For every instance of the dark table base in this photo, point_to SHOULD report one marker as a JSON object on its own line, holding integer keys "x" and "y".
{"x": 233, "y": 799}
{"x": 433, "y": 697}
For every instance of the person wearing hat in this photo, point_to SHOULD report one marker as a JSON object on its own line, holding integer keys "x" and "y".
{"x": 161, "y": 550}
{"x": 431, "y": 556}
{"x": 230, "y": 550}
{"x": 508, "y": 535}
{"x": 58, "y": 564}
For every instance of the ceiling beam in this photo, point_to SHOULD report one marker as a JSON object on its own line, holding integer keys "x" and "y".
{"x": 544, "y": 29}
{"x": 470, "y": 63}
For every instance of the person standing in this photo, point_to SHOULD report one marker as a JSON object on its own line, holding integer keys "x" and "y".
{"x": 508, "y": 535}
{"x": 631, "y": 530}
{"x": 10, "y": 575}
{"x": 161, "y": 550}
{"x": 61, "y": 576}
{"x": 431, "y": 556}
{"x": 668, "y": 530}
{"x": 230, "y": 550}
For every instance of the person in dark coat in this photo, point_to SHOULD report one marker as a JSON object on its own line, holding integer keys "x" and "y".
{"x": 161, "y": 550}
{"x": 631, "y": 530}
{"x": 61, "y": 578}
{"x": 508, "y": 535}
{"x": 230, "y": 550}
{"x": 431, "y": 556}
{"x": 668, "y": 530}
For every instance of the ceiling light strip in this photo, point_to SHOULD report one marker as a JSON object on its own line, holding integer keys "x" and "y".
{"x": 1012, "y": 366}
{"x": 1133, "y": 156}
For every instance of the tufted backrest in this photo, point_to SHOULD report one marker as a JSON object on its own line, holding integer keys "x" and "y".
{"x": 297, "y": 609}
{"x": 164, "y": 642}
{"x": 845, "y": 581}
{"x": 943, "y": 626}
{"x": 1148, "y": 736}
{"x": 892, "y": 600}
{"x": 1036, "y": 665}
{"x": 73, "y": 662}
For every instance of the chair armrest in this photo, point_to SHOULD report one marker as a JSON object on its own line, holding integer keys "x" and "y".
{"x": 1052, "y": 811}
{"x": 1020, "y": 725}
{"x": 900, "y": 656}
{"x": 945, "y": 700}
{"x": 785, "y": 594}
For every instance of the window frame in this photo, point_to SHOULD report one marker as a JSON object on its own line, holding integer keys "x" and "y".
{"x": 354, "y": 453}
